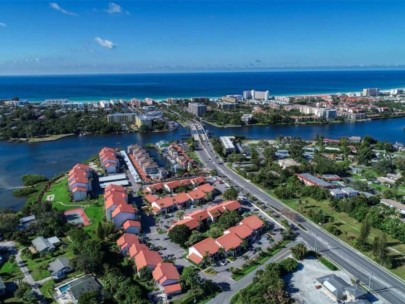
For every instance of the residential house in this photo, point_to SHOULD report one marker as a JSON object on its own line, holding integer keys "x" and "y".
{"x": 172, "y": 185}
{"x": 112, "y": 200}
{"x": 200, "y": 215}
{"x": 42, "y": 245}
{"x": 123, "y": 213}
{"x": 254, "y": 223}
{"x": 197, "y": 196}
{"x": 77, "y": 287}
{"x": 125, "y": 241}
{"x": 206, "y": 248}
{"x": 136, "y": 248}
{"x": 147, "y": 258}
{"x": 230, "y": 242}
{"x": 191, "y": 223}
{"x": 230, "y": 206}
{"x": 350, "y": 192}
{"x": 214, "y": 212}
{"x": 59, "y": 268}
{"x": 132, "y": 226}
{"x": 166, "y": 274}
{"x": 243, "y": 231}
{"x": 337, "y": 193}
{"x": 109, "y": 160}
{"x": 150, "y": 198}
{"x": 310, "y": 180}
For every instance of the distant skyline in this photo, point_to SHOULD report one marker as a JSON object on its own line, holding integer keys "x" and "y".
{"x": 90, "y": 37}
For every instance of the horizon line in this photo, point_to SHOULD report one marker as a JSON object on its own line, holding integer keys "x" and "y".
{"x": 202, "y": 71}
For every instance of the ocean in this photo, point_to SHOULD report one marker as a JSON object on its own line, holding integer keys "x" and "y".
{"x": 160, "y": 86}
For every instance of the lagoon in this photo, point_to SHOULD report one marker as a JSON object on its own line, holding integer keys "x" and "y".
{"x": 51, "y": 158}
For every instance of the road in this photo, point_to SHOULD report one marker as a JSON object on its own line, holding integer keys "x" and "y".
{"x": 226, "y": 296}
{"x": 384, "y": 285}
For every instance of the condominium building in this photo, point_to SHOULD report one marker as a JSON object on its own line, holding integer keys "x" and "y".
{"x": 198, "y": 109}
{"x": 121, "y": 118}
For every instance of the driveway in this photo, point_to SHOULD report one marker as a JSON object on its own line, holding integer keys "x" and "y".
{"x": 27, "y": 275}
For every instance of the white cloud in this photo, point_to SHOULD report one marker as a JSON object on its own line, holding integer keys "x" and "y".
{"x": 105, "y": 43}
{"x": 114, "y": 8}
{"x": 2, "y": 24}
{"x": 57, "y": 7}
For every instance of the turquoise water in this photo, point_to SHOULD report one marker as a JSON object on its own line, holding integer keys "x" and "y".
{"x": 64, "y": 288}
{"x": 159, "y": 86}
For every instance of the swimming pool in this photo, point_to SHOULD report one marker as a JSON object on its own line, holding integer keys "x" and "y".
{"x": 64, "y": 288}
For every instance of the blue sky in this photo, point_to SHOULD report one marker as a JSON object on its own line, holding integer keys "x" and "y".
{"x": 43, "y": 37}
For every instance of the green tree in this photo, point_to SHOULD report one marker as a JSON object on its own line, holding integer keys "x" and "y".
{"x": 299, "y": 251}
{"x": 91, "y": 297}
{"x": 364, "y": 231}
{"x": 179, "y": 234}
{"x": 190, "y": 278}
{"x": 228, "y": 219}
{"x": 230, "y": 194}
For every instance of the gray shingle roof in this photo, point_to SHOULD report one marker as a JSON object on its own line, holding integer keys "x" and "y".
{"x": 58, "y": 264}
{"x": 40, "y": 243}
{"x": 83, "y": 285}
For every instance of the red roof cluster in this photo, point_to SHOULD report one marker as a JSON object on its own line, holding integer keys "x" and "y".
{"x": 179, "y": 199}
{"x": 108, "y": 157}
{"x": 78, "y": 178}
{"x": 230, "y": 240}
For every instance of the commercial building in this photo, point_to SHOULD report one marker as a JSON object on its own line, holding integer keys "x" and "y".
{"x": 121, "y": 118}
{"x": 227, "y": 143}
{"x": 143, "y": 120}
{"x": 371, "y": 92}
{"x": 198, "y": 109}
{"x": 226, "y": 105}
{"x": 247, "y": 118}
{"x": 337, "y": 289}
{"x": 256, "y": 95}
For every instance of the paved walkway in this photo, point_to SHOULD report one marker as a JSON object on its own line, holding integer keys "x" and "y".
{"x": 225, "y": 296}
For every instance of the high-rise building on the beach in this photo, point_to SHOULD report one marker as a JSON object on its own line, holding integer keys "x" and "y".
{"x": 198, "y": 109}
{"x": 371, "y": 92}
{"x": 256, "y": 95}
{"x": 121, "y": 118}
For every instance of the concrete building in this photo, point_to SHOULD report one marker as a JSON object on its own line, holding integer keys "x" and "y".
{"x": 121, "y": 118}
{"x": 247, "y": 118}
{"x": 198, "y": 109}
{"x": 143, "y": 120}
{"x": 337, "y": 289}
{"x": 227, "y": 143}
{"x": 256, "y": 95}
{"x": 371, "y": 92}
{"x": 226, "y": 105}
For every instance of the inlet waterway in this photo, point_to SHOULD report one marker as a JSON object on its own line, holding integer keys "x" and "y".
{"x": 51, "y": 158}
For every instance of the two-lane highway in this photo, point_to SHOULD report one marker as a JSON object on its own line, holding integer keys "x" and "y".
{"x": 384, "y": 285}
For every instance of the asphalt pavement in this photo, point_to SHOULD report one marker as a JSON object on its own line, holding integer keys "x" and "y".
{"x": 384, "y": 284}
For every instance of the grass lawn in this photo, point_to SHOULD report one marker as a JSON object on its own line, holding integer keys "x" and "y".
{"x": 9, "y": 271}
{"x": 95, "y": 213}
{"x": 351, "y": 228}
{"x": 47, "y": 289}
{"x": 61, "y": 193}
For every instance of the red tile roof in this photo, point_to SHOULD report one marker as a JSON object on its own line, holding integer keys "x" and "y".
{"x": 164, "y": 272}
{"x": 131, "y": 223}
{"x": 165, "y": 202}
{"x": 137, "y": 248}
{"x": 229, "y": 241}
{"x": 253, "y": 221}
{"x": 123, "y": 208}
{"x": 196, "y": 194}
{"x": 181, "y": 198}
{"x": 127, "y": 239}
{"x": 115, "y": 199}
{"x": 195, "y": 258}
{"x": 150, "y": 198}
{"x": 147, "y": 258}
{"x": 243, "y": 231}
{"x": 215, "y": 211}
{"x": 115, "y": 188}
{"x": 171, "y": 289}
{"x": 230, "y": 205}
{"x": 207, "y": 246}
{"x": 191, "y": 223}
{"x": 177, "y": 183}
{"x": 197, "y": 180}
{"x": 199, "y": 215}
{"x": 207, "y": 188}
{"x": 79, "y": 189}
